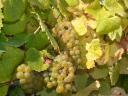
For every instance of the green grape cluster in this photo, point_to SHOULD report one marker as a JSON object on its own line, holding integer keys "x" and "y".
{"x": 61, "y": 74}
{"x": 30, "y": 81}
{"x": 65, "y": 32}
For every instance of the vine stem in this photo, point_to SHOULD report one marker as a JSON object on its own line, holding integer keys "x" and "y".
{"x": 8, "y": 82}
{"x": 37, "y": 30}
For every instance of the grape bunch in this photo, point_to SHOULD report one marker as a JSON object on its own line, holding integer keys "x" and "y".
{"x": 61, "y": 74}
{"x": 30, "y": 81}
{"x": 65, "y": 32}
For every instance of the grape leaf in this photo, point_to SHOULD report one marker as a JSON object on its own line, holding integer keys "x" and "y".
{"x": 114, "y": 7}
{"x": 87, "y": 1}
{"x": 16, "y": 91}
{"x": 46, "y": 92}
{"x": 126, "y": 3}
{"x": 34, "y": 60}
{"x": 17, "y": 27}
{"x": 38, "y": 40}
{"x": 94, "y": 49}
{"x": 80, "y": 25}
{"x": 124, "y": 23}
{"x": 2, "y": 39}
{"x": 13, "y": 9}
{"x": 72, "y": 2}
{"x": 87, "y": 90}
{"x": 103, "y": 25}
{"x": 43, "y": 4}
{"x": 91, "y": 23}
{"x": 81, "y": 80}
{"x": 105, "y": 88}
{"x": 124, "y": 66}
{"x": 90, "y": 64}
{"x": 94, "y": 52}
{"x": 4, "y": 90}
{"x": 116, "y": 34}
{"x": 19, "y": 39}
{"x": 96, "y": 10}
{"x": 99, "y": 73}
{"x": 114, "y": 74}
{"x": 9, "y": 60}
{"x": 1, "y": 15}
{"x": 62, "y": 8}
{"x": 49, "y": 35}
{"x": 51, "y": 20}
{"x": 94, "y": 5}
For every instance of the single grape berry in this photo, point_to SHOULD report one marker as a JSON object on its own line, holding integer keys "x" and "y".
{"x": 60, "y": 89}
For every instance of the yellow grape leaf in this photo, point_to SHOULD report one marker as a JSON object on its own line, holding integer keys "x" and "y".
{"x": 94, "y": 49}
{"x": 94, "y": 52}
{"x": 126, "y": 3}
{"x": 90, "y": 64}
{"x": 80, "y": 25}
{"x": 91, "y": 23}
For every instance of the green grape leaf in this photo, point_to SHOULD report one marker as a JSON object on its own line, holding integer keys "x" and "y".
{"x": 105, "y": 88}
{"x": 61, "y": 5}
{"x": 114, "y": 7}
{"x": 4, "y": 90}
{"x": 49, "y": 35}
{"x": 80, "y": 25}
{"x": 72, "y": 2}
{"x": 114, "y": 73}
{"x": 93, "y": 8}
{"x": 9, "y": 61}
{"x": 3, "y": 42}
{"x": 103, "y": 25}
{"x": 96, "y": 10}
{"x": 87, "y": 1}
{"x": 1, "y": 15}
{"x": 43, "y": 4}
{"x": 126, "y": 3}
{"x": 35, "y": 61}
{"x": 124, "y": 66}
{"x": 46, "y": 92}
{"x": 87, "y": 90}
{"x": 116, "y": 34}
{"x": 124, "y": 23}
{"x": 17, "y": 91}
{"x": 19, "y": 39}
{"x": 99, "y": 73}
{"x": 51, "y": 20}
{"x": 13, "y": 9}
{"x": 17, "y": 27}
{"x": 81, "y": 80}
{"x": 38, "y": 41}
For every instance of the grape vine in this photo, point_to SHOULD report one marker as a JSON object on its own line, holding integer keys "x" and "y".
{"x": 63, "y": 47}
